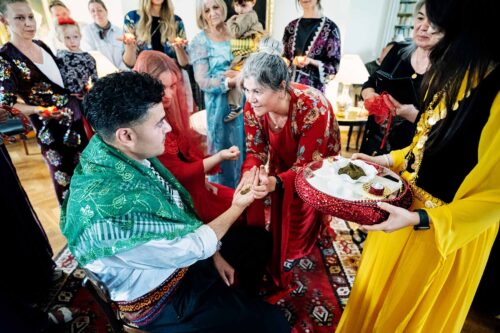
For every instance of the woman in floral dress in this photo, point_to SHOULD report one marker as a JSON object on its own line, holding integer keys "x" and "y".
{"x": 287, "y": 125}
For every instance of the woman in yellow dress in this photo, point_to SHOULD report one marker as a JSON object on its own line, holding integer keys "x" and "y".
{"x": 421, "y": 273}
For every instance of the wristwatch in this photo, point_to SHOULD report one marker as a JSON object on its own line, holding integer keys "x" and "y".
{"x": 424, "y": 220}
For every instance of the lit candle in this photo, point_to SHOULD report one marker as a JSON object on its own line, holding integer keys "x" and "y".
{"x": 128, "y": 36}
{"x": 179, "y": 41}
{"x": 301, "y": 59}
{"x": 46, "y": 112}
{"x": 89, "y": 85}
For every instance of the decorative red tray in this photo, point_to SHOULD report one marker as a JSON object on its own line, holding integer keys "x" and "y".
{"x": 363, "y": 211}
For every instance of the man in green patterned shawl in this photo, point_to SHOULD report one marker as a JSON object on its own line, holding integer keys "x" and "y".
{"x": 129, "y": 221}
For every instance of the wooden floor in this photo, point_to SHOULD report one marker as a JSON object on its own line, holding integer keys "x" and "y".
{"x": 34, "y": 176}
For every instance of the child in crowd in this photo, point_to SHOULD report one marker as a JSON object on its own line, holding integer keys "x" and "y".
{"x": 246, "y": 31}
{"x": 78, "y": 68}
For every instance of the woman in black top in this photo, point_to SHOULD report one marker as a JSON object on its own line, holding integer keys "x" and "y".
{"x": 402, "y": 62}
{"x": 312, "y": 45}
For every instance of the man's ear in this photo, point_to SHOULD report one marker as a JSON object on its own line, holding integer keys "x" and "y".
{"x": 125, "y": 137}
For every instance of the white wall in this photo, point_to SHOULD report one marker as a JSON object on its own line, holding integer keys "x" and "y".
{"x": 116, "y": 10}
{"x": 361, "y": 22}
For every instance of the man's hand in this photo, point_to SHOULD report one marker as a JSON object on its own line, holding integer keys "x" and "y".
{"x": 226, "y": 271}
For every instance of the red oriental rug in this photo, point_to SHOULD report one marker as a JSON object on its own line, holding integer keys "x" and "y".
{"x": 322, "y": 281}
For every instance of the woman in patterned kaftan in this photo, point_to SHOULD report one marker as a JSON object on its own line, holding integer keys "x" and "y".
{"x": 312, "y": 46}
{"x": 29, "y": 70}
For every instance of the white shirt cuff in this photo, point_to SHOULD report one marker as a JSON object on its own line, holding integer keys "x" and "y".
{"x": 208, "y": 238}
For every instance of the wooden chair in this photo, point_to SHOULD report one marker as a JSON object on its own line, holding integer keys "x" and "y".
{"x": 101, "y": 295}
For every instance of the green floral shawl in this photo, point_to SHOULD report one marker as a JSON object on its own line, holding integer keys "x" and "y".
{"x": 115, "y": 203}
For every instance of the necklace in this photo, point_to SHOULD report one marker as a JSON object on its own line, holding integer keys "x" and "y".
{"x": 279, "y": 122}
{"x": 156, "y": 29}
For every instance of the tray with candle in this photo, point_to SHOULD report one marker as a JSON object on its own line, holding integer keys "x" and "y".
{"x": 350, "y": 189}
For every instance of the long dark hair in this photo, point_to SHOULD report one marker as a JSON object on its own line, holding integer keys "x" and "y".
{"x": 468, "y": 46}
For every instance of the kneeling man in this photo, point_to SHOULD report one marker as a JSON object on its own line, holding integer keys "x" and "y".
{"x": 128, "y": 220}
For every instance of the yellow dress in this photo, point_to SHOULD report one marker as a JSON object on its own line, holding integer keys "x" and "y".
{"x": 424, "y": 281}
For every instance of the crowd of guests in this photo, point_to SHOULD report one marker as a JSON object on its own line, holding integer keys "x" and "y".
{"x": 183, "y": 229}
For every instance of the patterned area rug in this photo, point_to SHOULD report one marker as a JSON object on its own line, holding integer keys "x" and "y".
{"x": 323, "y": 281}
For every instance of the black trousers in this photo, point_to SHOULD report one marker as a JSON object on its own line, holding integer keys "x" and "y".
{"x": 27, "y": 256}
{"x": 203, "y": 303}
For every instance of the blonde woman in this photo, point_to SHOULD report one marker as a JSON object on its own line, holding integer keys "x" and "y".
{"x": 210, "y": 55}
{"x": 154, "y": 26}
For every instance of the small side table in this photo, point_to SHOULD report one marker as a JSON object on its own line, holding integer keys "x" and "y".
{"x": 355, "y": 122}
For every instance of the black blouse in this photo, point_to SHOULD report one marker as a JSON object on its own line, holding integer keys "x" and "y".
{"x": 156, "y": 35}
{"x": 401, "y": 131}
{"x": 305, "y": 34}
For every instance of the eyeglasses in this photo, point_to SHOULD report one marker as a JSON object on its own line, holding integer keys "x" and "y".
{"x": 102, "y": 34}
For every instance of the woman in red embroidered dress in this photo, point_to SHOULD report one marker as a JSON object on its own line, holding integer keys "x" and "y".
{"x": 289, "y": 125}
{"x": 184, "y": 156}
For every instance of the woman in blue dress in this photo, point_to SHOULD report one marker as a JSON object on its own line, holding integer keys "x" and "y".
{"x": 211, "y": 56}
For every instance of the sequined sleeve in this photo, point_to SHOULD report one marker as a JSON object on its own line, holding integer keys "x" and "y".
{"x": 8, "y": 84}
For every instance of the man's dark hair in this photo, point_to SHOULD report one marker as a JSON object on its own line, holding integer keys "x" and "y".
{"x": 120, "y": 100}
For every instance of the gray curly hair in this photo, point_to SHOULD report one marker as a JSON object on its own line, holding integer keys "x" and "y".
{"x": 266, "y": 66}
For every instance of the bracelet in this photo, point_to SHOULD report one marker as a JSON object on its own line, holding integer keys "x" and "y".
{"x": 424, "y": 220}
{"x": 387, "y": 160}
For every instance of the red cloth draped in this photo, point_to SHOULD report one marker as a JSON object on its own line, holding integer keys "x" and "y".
{"x": 310, "y": 133}
{"x": 191, "y": 175}
{"x": 176, "y": 110}
{"x": 381, "y": 108}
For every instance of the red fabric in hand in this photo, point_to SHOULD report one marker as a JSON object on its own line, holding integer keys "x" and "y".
{"x": 380, "y": 107}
